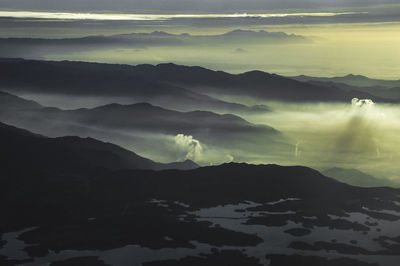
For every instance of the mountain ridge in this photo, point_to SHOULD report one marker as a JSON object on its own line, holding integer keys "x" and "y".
{"x": 162, "y": 79}
{"x": 78, "y": 150}
{"x": 353, "y": 80}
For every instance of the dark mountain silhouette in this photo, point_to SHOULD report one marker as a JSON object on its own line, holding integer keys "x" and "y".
{"x": 70, "y": 154}
{"x": 148, "y": 81}
{"x": 256, "y": 84}
{"x": 381, "y": 93}
{"x": 185, "y": 165}
{"x": 9, "y": 102}
{"x": 357, "y": 178}
{"x": 354, "y": 80}
{"x": 93, "y": 79}
{"x": 231, "y": 182}
{"x": 78, "y": 203}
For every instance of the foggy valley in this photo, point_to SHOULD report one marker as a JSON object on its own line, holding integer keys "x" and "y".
{"x": 199, "y": 133}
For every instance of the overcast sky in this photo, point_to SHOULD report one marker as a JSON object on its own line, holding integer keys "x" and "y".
{"x": 183, "y": 5}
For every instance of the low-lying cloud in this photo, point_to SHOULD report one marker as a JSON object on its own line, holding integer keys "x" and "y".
{"x": 360, "y": 134}
{"x": 188, "y": 148}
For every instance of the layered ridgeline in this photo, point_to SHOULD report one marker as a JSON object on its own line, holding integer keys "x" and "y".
{"x": 32, "y": 152}
{"x": 354, "y": 80}
{"x": 356, "y": 177}
{"x": 45, "y": 48}
{"x": 161, "y": 133}
{"x": 164, "y": 84}
{"x": 173, "y": 217}
{"x": 108, "y": 83}
{"x": 388, "y": 89}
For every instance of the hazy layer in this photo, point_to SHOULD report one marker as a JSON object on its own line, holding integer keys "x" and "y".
{"x": 361, "y": 135}
{"x": 370, "y": 52}
{"x": 335, "y": 50}
{"x": 357, "y": 36}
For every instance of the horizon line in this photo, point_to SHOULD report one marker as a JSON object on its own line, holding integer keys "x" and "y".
{"x": 150, "y": 16}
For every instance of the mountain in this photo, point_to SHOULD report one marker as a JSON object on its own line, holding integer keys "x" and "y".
{"x": 9, "y": 102}
{"x": 147, "y": 127}
{"x": 145, "y": 116}
{"x": 357, "y": 178}
{"x": 154, "y": 38}
{"x": 21, "y": 148}
{"x": 102, "y": 80}
{"x": 255, "y": 84}
{"x": 354, "y": 80}
{"x": 198, "y": 217}
{"x": 173, "y": 82}
{"x": 185, "y": 165}
{"x": 261, "y": 34}
{"x": 389, "y": 94}
{"x": 41, "y": 47}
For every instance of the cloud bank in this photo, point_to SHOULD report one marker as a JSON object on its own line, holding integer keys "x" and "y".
{"x": 121, "y": 17}
{"x": 184, "y": 5}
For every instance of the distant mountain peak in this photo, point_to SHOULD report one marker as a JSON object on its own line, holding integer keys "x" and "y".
{"x": 355, "y": 76}
{"x": 160, "y": 33}
{"x": 140, "y": 105}
{"x": 253, "y": 32}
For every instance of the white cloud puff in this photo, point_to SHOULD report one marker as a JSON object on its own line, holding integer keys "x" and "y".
{"x": 188, "y": 148}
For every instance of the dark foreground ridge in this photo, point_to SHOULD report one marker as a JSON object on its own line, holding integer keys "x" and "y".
{"x": 23, "y": 149}
{"x": 70, "y": 199}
